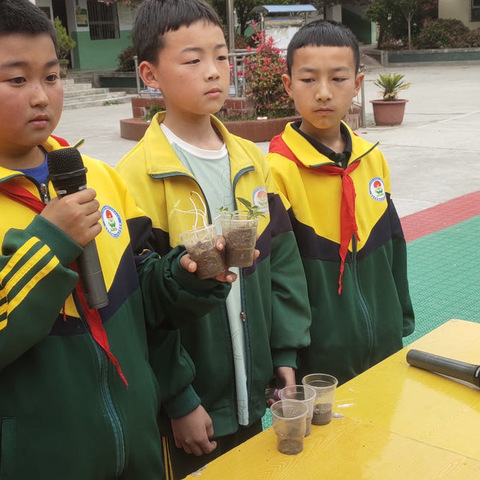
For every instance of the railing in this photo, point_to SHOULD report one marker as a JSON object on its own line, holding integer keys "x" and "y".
{"x": 236, "y": 59}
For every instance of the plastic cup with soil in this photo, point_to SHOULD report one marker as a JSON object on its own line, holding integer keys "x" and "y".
{"x": 289, "y": 422}
{"x": 325, "y": 386}
{"x": 200, "y": 244}
{"x": 240, "y": 234}
{"x": 305, "y": 394}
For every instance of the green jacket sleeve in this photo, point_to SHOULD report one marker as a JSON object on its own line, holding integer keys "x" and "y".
{"x": 174, "y": 370}
{"x": 174, "y": 296}
{"x": 35, "y": 282}
{"x": 399, "y": 271}
{"x": 291, "y": 308}
{"x": 290, "y": 305}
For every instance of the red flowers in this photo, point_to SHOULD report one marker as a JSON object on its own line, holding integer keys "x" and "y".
{"x": 263, "y": 74}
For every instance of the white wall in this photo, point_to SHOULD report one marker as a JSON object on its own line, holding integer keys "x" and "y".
{"x": 281, "y": 35}
{"x": 457, "y": 9}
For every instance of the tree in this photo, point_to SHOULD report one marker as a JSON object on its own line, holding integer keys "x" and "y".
{"x": 64, "y": 41}
{"x": 390, "y": 15}
{"x": 243, "y": 10}
{"x": 409, "y": 8}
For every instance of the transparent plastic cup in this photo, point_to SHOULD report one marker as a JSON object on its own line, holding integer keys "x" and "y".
{"x": 305, "y": 394}
{"x": 200, "y": 244}
{"x": 240, "y": 235}
{"x": 289, "y": 419}
{"x": 325, "y": 386}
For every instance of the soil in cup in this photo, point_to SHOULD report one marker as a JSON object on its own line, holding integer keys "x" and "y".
{"x": 322, "y": 413}
{"x": 290, "y": 446}
{"x": 209, "y": 260}
{"x": 240, "y": 244}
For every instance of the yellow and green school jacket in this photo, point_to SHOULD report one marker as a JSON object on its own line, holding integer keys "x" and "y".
{"x": 275, "y": 312}
{"x": 361, "y": 306}
{"x": 65, "y": 412}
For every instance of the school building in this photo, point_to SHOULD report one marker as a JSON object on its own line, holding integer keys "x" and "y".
{"x": 102, "y": 29}
{"x": 468, "y": 11}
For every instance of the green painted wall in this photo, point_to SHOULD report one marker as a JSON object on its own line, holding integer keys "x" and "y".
{"x": 98, "y": 54}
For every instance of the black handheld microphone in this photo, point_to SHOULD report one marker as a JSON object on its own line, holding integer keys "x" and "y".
{"x": 68, "y": 175}
{"x": 446, "y": 366}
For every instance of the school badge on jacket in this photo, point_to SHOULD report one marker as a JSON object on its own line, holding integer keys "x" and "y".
{"x": 377, "y": 189}
{"x": 111, "y": 221}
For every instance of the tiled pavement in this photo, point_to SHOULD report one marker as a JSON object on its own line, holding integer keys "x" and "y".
{"x": 444, "y": 262}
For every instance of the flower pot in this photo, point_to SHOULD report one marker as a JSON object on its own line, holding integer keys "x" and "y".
{"x": 259, "y": 130}
{"x": 200, "y": 244}
{"x": 388, "y": 113}
{"x": 240, "y": 235}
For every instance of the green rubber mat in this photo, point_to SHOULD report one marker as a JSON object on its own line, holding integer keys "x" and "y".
{"x": 444, "y": 276}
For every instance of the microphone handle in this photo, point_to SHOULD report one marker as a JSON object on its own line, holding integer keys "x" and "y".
{"x": 446, "y": 366}
{"x": 91, "y": 277}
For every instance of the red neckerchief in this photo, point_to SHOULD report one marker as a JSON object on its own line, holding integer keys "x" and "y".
{"x": 348, "y": 223}
{"x": 23, "y": 196}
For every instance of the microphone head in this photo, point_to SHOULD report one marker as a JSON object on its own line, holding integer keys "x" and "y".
{"x": 66, "y": 171}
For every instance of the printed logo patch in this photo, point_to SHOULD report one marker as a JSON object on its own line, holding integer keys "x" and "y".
{"x": 111, "y": 221}
{"x": 260, "y": 199}
{"x": 377, "y": 189}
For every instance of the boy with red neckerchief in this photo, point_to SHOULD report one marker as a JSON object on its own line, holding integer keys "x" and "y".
{"x": 348, "y": 232}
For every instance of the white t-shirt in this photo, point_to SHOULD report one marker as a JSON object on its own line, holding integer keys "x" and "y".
{"x": 211, "y": 168}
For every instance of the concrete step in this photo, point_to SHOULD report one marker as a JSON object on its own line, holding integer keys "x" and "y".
{"x": 94, "y": 95}
{"x": 79, "y": 93}
{"x": 74, "y": 104}
{"x": 68, "y": 87}
{"x": 84, "y": 76}
{"x": 86, "y": 92}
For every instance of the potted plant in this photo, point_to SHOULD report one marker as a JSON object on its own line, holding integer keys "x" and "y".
{"x": 240, "y": 231}
{"x": 390, "y": 109}
{"x": 263, "y": 67}
{"x": 65, "y": 46}
{"x": 200, "y": 242}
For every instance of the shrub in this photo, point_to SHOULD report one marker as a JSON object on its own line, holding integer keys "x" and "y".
{"x": 263, "y": 74}
{"x": 443, "y": 33}
{"x": 392, "y": 44}
{"x": 65, "y": 42}
{"x": 125, "y": 60}
{"x": 473, "y": 38}
{"x": 151, "y": 111}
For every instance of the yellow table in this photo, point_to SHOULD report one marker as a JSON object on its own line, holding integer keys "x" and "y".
{"x": 394, "y": 422}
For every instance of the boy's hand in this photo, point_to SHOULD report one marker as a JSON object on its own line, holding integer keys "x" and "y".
{"x": 285, "y": 378}
{"x": 76, "y": 214}
{"x": 188, "y": 264}
{"x": 193, "y": 432}
{"x": 227, "y": 276}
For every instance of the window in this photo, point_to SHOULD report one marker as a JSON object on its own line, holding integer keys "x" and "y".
{"x": 103, "y": 19}
{"x": 475, "y": 10}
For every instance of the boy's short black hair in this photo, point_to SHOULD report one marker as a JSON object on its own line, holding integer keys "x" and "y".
{"x": 21, "y": 16}
{"x": 156, "y": 17}
{"x": 323, "y": 33}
